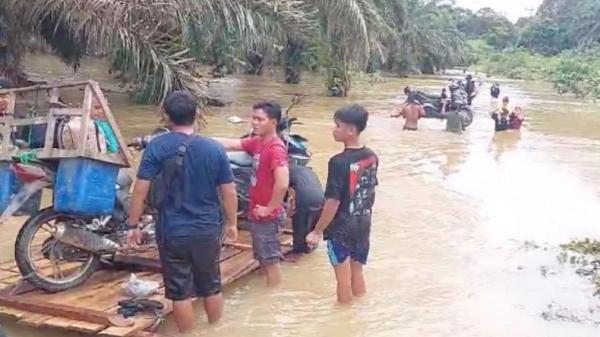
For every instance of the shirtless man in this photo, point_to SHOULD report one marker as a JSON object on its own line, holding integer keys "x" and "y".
{"x": 412, "y": 111}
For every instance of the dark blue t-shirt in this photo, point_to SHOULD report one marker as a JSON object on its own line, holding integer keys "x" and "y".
{"x": 206, "y": 168}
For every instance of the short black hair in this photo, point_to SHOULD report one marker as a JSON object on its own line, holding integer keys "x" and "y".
{"x": 271, "y": 109}
{"x": 181, "y": 107}
{"x": 353, "y": 115}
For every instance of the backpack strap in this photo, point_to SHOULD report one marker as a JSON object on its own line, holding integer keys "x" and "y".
{"x": 182, "y": 150}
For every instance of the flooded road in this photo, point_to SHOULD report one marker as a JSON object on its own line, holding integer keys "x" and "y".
{"x": 466, "y": 227}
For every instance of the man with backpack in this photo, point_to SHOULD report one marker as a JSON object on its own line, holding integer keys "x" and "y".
{"x": 185, "y": 174}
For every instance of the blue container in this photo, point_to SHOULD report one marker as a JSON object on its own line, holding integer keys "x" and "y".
{"x": 7, "y": 185}
{"x": 85, "y": 186}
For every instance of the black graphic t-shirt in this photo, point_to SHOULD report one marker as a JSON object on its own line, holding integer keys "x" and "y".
{"x": 352, "y": 179}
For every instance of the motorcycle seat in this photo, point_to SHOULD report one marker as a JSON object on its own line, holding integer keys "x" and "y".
{"x": 241, "y": 159}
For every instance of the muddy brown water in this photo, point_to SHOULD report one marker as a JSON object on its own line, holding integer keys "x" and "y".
{"x": 455, "y": 217}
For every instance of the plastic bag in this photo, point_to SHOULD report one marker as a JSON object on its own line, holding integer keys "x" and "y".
{"x": 139, "y": 288}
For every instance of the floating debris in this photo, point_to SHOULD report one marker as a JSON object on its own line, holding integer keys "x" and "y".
{"x": 235, "y": 120}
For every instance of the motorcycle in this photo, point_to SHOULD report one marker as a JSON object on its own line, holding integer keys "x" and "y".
{"x": 57, "y": 251}
{"x": 433, "y": 103}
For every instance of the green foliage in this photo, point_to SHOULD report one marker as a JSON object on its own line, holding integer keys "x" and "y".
{"x": 575, "y": 72}
{"x": 579, "y": 74}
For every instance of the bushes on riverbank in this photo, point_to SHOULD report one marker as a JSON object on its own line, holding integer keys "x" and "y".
{"x": 574, "y": 72}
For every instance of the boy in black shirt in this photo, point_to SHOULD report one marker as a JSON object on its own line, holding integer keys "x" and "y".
{"x": 350, "y": 194}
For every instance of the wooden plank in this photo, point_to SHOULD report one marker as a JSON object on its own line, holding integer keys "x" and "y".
{"x": 6, "y": 128}
{"x": 86, "y": 118}
{"x": 50, "y": 129}
{"x": 228, "y": 252}
{"x": 72, "y": 325}
{"x": 232, "y": 267}
{"x": 113, "y": 123}
{"x": 73, "y": 112}
{"x": 25, "y": 121}
{"x": 242, "y": 246}
{"x": 62, "y": 310}
{"x": 13, "y": 314}
{"x": 43, "y": 87}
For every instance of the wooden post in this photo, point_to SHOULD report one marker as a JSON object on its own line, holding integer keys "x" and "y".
{"x": 88, "y": 98}
{"x": 51, "y": 126}
{"x": 6, "y": 127}
{"x": 111, "y": 120}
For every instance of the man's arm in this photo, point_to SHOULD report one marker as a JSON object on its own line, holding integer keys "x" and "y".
{"x": 282, "y": 182}
{"x": 330, "y": 208}
{"x": 230, "y": 204}
{"x": 140, "y": 191}
{"x": 230, "y": 144}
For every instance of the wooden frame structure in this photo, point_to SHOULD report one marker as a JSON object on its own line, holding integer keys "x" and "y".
{"x": 92, "y": 93}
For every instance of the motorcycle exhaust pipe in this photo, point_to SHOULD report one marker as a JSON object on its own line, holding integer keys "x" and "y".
{"x": 84, "y": 239}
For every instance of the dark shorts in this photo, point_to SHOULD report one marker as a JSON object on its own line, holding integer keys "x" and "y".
{"x": 348, "y": 237}
{"x": 265, "y": 241}
{"x": 338, "y": 253}
{"x": 190, "y": 266}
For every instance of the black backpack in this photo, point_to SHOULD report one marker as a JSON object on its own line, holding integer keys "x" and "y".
{"x": 162, "y": 186}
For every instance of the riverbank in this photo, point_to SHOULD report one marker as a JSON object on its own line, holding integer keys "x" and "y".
{"x": 572, "y": 72}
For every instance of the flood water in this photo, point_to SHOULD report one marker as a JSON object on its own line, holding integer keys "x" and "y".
{"x": 466, "y": 227}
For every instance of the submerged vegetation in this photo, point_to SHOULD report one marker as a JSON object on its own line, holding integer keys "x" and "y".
{"x": 156, "y": 46}
{"x": 586, "y": 254}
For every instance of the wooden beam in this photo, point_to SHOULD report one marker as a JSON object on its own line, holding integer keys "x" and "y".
{"x": 242, "y": 246}
{"x": 65, "y": 311}
{"x": 6, "y": 128}
{"x": 50, "y": 129}
{"x": 76, "y": 112}
{"x": 113, "y": 123}
{"x": 24, "y": 121}
{"x": 86, "y": 118}
{"x": 42, "y": 87}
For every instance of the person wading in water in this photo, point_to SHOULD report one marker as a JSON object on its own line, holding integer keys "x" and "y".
{"x": 412, "y": 111}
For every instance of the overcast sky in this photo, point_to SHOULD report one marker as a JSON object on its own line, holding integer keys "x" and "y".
{"x": 513, "y": 9}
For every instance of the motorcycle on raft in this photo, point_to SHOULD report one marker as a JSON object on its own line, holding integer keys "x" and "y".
{"x": 72, "y": 247}
{"x": 459, "y": 103}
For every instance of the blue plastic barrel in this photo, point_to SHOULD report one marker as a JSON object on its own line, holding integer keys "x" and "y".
{"x": 7, "y": 184}
{"x": 85, "y": 186}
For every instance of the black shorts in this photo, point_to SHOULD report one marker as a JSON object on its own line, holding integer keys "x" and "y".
{"x": 190, "y": 266}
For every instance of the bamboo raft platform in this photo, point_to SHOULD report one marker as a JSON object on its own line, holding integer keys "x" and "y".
{"x": 92, "y": 307}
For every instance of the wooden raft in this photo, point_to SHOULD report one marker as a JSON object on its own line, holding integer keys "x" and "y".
{"x": 95, "y": 302}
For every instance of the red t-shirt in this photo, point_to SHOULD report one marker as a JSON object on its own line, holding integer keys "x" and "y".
{"x": 266, "y": 157}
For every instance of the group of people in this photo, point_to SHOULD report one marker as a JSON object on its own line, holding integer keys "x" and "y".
{"x": 505, "y": 119}
{"x": 191, "y": 226}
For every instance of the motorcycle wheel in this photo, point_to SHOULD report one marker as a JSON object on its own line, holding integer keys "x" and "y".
{"x": 47, "y": 263}
{"x": 467, "y": 116}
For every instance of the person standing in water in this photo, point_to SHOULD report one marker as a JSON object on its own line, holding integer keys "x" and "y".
{"x": 500, "y": 117}
{"x": 191, "y": 223}
{"x": 495, "y": 90}
{"x": 269, "y": 185}
{"x": 349, "y": 197}
{"x": 412, "y": 111}
{"x": 516, "y": 118}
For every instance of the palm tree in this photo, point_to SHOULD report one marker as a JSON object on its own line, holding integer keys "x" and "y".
{"x": 423, "y": 35}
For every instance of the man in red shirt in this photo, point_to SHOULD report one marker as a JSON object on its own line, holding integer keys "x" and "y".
{"x": 268, "y": 185}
